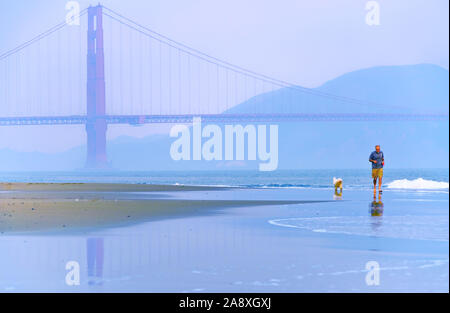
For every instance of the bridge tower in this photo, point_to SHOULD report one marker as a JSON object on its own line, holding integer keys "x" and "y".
{"x": 95, "y": 93}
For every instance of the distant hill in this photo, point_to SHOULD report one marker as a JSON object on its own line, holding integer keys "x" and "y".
{"x": 419, "y": 88}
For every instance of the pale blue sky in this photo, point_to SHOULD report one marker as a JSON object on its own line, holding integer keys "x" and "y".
{"x": 303, "y": 42}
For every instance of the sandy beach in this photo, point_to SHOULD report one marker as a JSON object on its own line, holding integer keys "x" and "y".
{"x": 69, "y": 207}
{"x": 176, "y": 238}
{"x": 95, "y": 187}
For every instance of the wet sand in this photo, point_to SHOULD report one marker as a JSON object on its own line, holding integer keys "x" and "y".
{"x": 222, "y": 240}
{"x": 93, "y": 187}
{"x": 77, "y": 207}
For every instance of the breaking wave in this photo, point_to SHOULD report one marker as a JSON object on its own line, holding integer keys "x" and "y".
{"x": 418, "y": 183}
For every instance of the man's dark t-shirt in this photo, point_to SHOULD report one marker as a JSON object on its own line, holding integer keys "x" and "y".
{"x": 379, "y": 157}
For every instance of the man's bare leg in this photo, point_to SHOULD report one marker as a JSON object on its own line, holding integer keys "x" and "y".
{"x": 379, "y": 184}
{"x": 374, "y": 187}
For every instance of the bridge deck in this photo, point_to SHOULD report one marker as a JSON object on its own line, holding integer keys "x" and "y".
{"x": 146, "y": 119}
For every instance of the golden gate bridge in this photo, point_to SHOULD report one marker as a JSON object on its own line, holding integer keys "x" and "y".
{"x": 126, "y": 73}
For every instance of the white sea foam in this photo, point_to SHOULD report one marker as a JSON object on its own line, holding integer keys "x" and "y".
{"x": 418, "y": 183}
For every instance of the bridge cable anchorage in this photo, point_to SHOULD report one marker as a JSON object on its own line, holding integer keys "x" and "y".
{"x": 241, "y": 70}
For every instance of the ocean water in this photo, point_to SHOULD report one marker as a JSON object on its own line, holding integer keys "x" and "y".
{"x": 324, "y": 245}
{"x": 419, "y": 179}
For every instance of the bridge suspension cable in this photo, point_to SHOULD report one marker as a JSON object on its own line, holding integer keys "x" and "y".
{"x": 39, "y": 76}
{"x": 38, "y": 37}
{"x": 237, "y": 69}
{"x": 174, "y": 80}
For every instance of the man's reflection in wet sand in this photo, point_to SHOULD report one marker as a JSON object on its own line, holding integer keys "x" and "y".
{"x": 376, "y": 207}
{"x": 376, "y": 211}
{"x": 95, "y": 260}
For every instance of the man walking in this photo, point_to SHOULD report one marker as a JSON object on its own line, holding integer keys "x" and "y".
{"x": 377, "y": 160}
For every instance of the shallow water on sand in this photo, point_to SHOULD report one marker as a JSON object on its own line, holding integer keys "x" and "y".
{"x": 305, "y": 247}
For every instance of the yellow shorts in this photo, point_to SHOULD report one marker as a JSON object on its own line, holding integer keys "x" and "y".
{"x": 377, "y": 173}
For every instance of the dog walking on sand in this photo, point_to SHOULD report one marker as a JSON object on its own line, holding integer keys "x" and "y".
{"x": 337, "y": 182}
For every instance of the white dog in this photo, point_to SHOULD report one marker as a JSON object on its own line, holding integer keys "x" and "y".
{"x": 337, "y": 182}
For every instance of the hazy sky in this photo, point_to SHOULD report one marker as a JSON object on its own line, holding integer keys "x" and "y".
{"x": 303, "y": 42}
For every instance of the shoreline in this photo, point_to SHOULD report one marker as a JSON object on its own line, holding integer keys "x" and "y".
{"x": 64, "y": 207}
{"x": 107, "y": 187}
